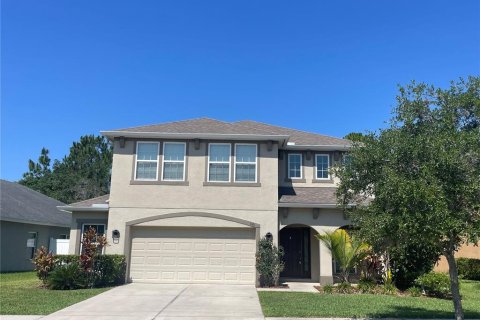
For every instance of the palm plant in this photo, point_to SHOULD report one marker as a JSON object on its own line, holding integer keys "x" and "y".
{"x": 346, "y": 250}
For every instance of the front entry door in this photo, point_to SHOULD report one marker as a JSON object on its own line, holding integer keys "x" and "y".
{"x": 296, "y": 244}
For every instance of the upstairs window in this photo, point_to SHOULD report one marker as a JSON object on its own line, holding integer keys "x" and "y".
{"x": 295, "y": 166}
{"x": 219, "y": 162}
{"x": 174, "y": 161}
{"x": 323, "y": 166}
{"x": 146, "y": 165}
{"x": 245, "y": 162}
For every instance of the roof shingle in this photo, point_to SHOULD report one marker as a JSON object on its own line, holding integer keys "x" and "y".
{"x": 305, "y": 195}
{"x": 21, "y": 204}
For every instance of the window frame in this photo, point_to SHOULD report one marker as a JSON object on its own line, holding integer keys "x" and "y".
{"x": 235, "y": 162}
{"x": 301, "y": 166}
{"x": 229, "y": 161}
{"x": 174, "y": 161}
{"x": 31, "y": 254}
{"x": 92, "y": 224}
{"x": 328, "y": 166}
{"x": 136, "y": 161}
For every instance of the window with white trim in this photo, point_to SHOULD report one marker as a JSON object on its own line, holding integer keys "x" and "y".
{"x": 245, "y": 162}
{"x": 174, "y": 161}
{"x": 322, "y": 166}
{"x": 294, "y": 165}
{"x": 146, "y": 162}
{"x": 219, "y": 162}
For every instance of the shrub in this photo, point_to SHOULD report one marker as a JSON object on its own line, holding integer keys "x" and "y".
{"x": 344, "y": 287}
{"x": 44, "y": 263}
{"x": 435, "y": 284}
{"x": 109, "y": 270}
{"x": 269, "y": 263}
{"x": 389, "y": 288}
{"x": 328, "y": 289}
{"x": 469, "y": 268}
{"x": 366, "y": 285}
{"x": 414, "y": 291}
{"x": 66, "y": 277}
{"x": 66, "y": 259}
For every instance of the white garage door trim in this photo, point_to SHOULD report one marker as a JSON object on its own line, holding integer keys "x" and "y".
{"x": 193, "y": 255}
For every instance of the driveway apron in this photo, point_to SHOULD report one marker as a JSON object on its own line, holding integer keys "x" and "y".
{"x": 168, "y": 301}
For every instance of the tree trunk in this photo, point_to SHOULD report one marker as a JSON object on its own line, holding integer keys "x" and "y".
{"x": 454, "y": 285}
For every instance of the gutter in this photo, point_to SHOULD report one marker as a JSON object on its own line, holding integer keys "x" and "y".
{"x": 335, "y": 147}
{"x": 310, "y": 205}
{"x": 89, "y": 208}
{"x": 212, "y": 136}
{"x": 35, "y": 222}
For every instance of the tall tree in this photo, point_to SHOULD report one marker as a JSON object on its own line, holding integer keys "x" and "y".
{"x": 419, "y": 180}
{"x": 82, "y": 174}
{"x": 355, "y": 136}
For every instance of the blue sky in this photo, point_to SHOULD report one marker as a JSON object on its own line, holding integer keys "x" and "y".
{"x": 71, "y": 68}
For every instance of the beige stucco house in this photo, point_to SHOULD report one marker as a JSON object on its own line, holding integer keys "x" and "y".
{"x": 190, "y": 199}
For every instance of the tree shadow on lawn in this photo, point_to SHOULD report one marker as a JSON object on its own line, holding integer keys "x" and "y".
{"x": 417, "y": 313}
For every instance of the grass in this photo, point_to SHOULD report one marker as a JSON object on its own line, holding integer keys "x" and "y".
{"x": 300, "y": 304}
{"x": 21, "y": 293}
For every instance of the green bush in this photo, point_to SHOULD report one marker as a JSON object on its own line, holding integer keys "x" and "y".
{"x": 66, "y": 277}
{"x": 328, "y": 289}
{"x": 435, "y": 284}
{"x": 66, "y": 259}
{"x": 469, "y": 268}
{"x": 109, "y": 270}
{"x": 366, "y": 285}
{"x": 414, "y": 291}
{"x": 269, "y": 263}
{"x": 344, "y": 287}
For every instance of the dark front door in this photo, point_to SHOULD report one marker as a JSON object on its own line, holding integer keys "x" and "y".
{"x": 296, "y": 244}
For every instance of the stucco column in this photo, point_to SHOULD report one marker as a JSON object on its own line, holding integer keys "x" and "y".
{"x": 326, "y": 272}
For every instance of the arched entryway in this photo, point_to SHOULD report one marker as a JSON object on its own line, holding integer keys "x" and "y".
{"x": 301, "y": 248}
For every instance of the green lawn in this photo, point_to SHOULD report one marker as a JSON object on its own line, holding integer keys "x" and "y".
{"x": 299, "y": 304}
{"x": 20, "y": 293}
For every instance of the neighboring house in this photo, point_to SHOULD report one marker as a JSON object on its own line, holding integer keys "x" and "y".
{"x": 28, "y": 221}
{"x": 190, "y": 199}
{"x": 465, "y": 251}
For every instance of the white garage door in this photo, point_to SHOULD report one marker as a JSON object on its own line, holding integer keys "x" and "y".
{"x": 193, "y": 255}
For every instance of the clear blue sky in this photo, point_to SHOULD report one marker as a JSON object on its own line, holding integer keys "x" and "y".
{"x": 71, "y": 68}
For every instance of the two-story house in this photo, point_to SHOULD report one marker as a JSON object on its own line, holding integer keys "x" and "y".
{"x": 190, "y": 199}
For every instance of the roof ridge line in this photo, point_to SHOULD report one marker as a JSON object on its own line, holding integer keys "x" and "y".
{"x": 298, "y": 130}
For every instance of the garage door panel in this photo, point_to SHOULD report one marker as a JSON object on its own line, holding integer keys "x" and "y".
{"x": 193, "y": 255}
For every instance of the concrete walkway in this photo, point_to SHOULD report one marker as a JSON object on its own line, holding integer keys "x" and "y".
{"x": 295, "y": 287}
{"x": 167, "y": 301}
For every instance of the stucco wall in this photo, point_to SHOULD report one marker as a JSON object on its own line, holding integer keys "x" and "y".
{"x": 308, "y": 171}
{"x": 466, "y": 251}
{"x": 195, "y": 195}
{"x": 14, "y": 252}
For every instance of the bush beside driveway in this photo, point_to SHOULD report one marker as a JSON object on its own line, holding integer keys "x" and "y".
{"x": 21, "y": 294}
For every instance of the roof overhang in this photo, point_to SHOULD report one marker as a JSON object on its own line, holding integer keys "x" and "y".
{"x": 100, "y": 208}
{"x": 318, "y": 147}
{"x": 35, "y": 222}
{"x": 310, "y": 205}
{"x": 210, "y": 136}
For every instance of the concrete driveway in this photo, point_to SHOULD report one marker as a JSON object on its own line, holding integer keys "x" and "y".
{"x": 168, "y": 301}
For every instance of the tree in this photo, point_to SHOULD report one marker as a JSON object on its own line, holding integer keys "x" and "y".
{"x": 417, "y": 183}
{"x": 355, "y": 136}
{"x": 347, "y": 251}
{"x": 82, "y": 174}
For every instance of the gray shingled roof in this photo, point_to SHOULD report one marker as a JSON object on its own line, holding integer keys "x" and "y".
{"x": 21, "y": 204}
{"x": 319, "y": 195}
{"x": 212, "y": 126}
{"x": 103, "y": 200}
